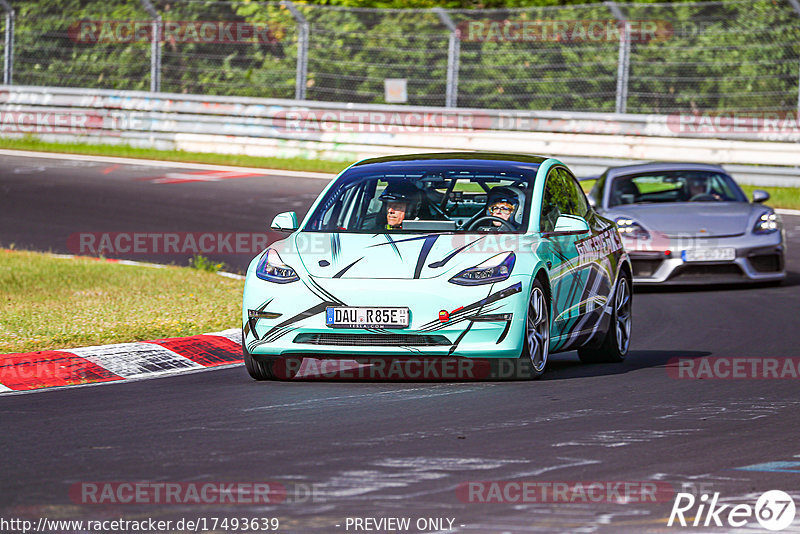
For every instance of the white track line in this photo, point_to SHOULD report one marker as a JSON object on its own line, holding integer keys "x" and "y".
{"x": 166, "y": 164}
{"x": 784, "y": 211}
{"x": 142, "y": 264}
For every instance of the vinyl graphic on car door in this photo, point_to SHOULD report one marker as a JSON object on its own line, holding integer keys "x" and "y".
{"x": 580, "y": 272}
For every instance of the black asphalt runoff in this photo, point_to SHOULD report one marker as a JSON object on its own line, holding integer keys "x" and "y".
{"x": 48, "y": 204}
{"x": 377, "y": 449}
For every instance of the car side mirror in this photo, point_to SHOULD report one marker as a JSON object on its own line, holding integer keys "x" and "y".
{"x": 285, "y": 222}
{"x": 571, "y": 224}
{"x": 759, "y": 195}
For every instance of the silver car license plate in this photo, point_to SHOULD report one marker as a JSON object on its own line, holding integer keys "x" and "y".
{"x": 366, "y": 317}
{"x": 709, "y": 254}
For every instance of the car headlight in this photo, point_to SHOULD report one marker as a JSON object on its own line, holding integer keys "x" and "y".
{"x": 495, "y": 269}
{"x": 631, "y": 229}
{"x": 767, "y": 223}
{"x": 272, "y": 269}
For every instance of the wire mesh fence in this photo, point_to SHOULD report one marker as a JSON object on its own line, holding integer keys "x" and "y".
{"x": 47, "y": 53}
{"x": 737, "y": 55}
{"x": 536, "y": 58}
{"x": 624, "y": 57}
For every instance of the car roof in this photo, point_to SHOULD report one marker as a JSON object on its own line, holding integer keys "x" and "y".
{"x": 489, "y": 160}
{"x": 660, "y": 166}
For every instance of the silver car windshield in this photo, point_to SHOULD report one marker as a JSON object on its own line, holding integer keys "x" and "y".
{"x": 674, "y": 186}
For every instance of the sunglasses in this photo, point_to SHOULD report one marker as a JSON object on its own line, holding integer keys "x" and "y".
{"x": 500, "y": 209}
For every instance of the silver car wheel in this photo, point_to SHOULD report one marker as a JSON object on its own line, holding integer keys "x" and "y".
{"x": 538, "y": 330}
{"x": 622, "y": 311}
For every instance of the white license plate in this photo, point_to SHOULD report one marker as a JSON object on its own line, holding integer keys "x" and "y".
{"x": 366, "y": 317}
{"x": 709, "y": 254}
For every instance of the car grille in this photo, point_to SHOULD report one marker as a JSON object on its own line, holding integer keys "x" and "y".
{"x": 373, "y": 340}
{"x": 766, "y": 263}
{"x": 727, "y": 270}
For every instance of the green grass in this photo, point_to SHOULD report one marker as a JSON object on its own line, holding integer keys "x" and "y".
{"x": 780, "y": 197}
{"x": 126, "y": 151}
{"x": 50, "y": 303}
{"x": 201, "y": 263}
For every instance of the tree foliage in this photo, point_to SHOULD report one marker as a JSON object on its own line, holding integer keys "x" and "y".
{"x": 737, "y": 54}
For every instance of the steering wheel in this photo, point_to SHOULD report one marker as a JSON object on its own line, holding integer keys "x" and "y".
{"x": 704, "y": 197}
{"x": 487, "y": 218}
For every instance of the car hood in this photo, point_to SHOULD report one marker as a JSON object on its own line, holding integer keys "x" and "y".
{"x": 377, "y": 256}
{"x": 702, "y": 219}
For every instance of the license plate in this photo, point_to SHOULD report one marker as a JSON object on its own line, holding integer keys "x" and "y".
{"x": 709, "y": 254}
{"x": 366, "y": 317}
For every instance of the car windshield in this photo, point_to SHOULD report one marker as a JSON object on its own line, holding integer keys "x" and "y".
{"x": 674, "y": 186}
{"x": 426, "y": 198}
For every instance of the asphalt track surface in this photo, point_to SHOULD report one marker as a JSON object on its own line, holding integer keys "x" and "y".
{"x": 378, "y": 449}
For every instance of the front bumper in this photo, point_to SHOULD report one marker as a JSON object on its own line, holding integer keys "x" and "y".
{"x": 758, "y": 259}
{"x": 485, "y": 321}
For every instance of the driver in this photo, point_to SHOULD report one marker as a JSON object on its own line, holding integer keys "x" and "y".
{"x": 503, "y": 203}
{"x": 401, "y": 201}
{"x": 698, "y": 187}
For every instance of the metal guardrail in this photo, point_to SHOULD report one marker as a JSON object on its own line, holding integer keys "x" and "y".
{"x": 329, "y": 130}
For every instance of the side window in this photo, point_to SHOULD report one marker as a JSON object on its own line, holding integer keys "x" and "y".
{"x": 597, "y": 191}
{"x": 577, "y": 199}
{"x": 562, "y": 195}
{"x": 551, "y": 202}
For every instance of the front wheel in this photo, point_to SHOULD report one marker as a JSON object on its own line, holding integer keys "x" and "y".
{"x": 536, "y": 345}
{"x": 614, "y": 347}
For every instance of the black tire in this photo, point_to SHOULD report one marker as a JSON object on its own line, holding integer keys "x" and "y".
{"x": 536, "y": 335}
{"x": 258, "y": 370}
{"x": 615, "y": 345}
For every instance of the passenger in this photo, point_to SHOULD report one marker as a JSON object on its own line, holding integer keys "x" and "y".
{"x": 401, "y": 201}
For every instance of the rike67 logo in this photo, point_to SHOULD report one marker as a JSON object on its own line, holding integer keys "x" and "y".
{"x": 774, "y": 510}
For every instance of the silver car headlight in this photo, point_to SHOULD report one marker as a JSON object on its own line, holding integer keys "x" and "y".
{"x": 631, "y": 229}
{"x": 767, "y": 223}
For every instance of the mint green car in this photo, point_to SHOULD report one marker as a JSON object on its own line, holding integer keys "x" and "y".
{"x": 460, "y": 255}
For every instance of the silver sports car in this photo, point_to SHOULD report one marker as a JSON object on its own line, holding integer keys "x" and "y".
{"x": 687, "y": 223}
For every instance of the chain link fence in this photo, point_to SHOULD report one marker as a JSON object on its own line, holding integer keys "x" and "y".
{"x": 604, "y": 57}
